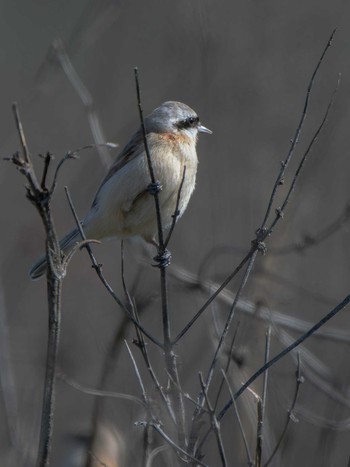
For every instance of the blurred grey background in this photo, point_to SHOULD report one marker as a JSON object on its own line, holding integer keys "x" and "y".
{"x": 244, "y": 66}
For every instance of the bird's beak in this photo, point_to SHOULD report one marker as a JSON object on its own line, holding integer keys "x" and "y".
{"x": 202, "y": 129}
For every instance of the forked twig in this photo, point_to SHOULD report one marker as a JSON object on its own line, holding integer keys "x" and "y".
{"x": 40, "y": 198}
{"x": 263, "y": 232}
{"x": 295, "y": 139}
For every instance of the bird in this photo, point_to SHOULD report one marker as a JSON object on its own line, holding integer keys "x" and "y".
{"x": 124, "y": 206}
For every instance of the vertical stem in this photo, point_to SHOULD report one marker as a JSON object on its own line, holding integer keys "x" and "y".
{"x": 54, "y": 289}
{"x": 175, "y": 395}
{"x": 48, "y": 410}
{"x": 176, "y": 399}
{"x": 40, "y": 196}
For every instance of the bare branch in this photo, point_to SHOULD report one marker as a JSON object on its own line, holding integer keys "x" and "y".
{"x": 284, "y": 352}
{"x": 74, "y": 155}
{"x": 172, "y": 443}
{"x": 261, "y": 406}
{"x": 214, "y": 422}
{"x": 258, "y": 449}
{"x": 245, "y": 440}
{"x": 141, "y": 344}
{"x": 40, "y": 198}
{"x": 280, "y": 211}
{"x": 295, "y": 139}
{"x": 98, "y": 269}
{"x": 177, "y": 212}
{"x": 299, "y": 381}
{"x": 163, "y": 259}
{"x": 219, "y": 347}
{"x": 20, "y": 132}
{"x": 263, "y": 232}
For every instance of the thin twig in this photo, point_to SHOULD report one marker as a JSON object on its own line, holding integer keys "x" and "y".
{"x": 261, "y": 405}
{"x": 144, "y": 394}
{"x": 220, "y": 346}
{"x": 227, "y": 367}
{"x": 261, "y": 408}
{"x": 317, "y": 372}
{"x": 149, "y": 160}
{"x": 295, "y": 139}
{"x": 169, "y": 355}
{"x": 281, "y": 210}
{"x": 21, "y": 134}
{"x": 140, "y": 339}
{"x": 188, "y": 397}
{"x": 98, "y": 268}
{"x": 47, "y": 160}
{"x": 278, "y": 357}
{"x": 263, "y": 232}
{"x": 214, "y": 423}
{"x": 213, "y": 296}
{"x": 245, "y": 440}
{"x": 313, "y": 240}
{"x": 264, "y": 314}
{"x": 258, "y": 449}
{"x": 290, "y": 416}
{"x": 177, "y": 212}
{"x": 41, "y": 198}
{"x": 74, "y": 155}
{"x": 284, "y": 352}
{"x": 172, "y": 443}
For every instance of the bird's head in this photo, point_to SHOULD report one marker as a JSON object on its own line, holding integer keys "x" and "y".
{"x": 176, "y": 118}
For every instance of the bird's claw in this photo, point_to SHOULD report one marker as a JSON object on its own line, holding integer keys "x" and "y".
{"x": 154, "y": 188}
{"x": 162, "y": 260}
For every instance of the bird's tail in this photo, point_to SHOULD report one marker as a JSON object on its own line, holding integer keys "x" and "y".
{"x": 66, "y": 244}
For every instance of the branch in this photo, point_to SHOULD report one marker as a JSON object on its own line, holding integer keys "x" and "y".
{"x": 299, "y": 381}
{"x": 214, "y": 422}
{"x": 284, "y": 352}
{"x": 177, "y": 212}
{"x": 295, "y": 139}
{"x": 172, "y": 443}
{"x": 98, "y": 268}
{"x": 163, "y": 259}
{"x": 245, "y": 440}
{"x": 263, "y": 232}
{"x": 40, "y": 198}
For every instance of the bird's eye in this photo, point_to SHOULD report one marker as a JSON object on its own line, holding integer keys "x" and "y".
{"x": 189, "y": 122}
{"x": 192, "y": 121}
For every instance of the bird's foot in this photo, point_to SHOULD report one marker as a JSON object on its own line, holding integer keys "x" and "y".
{"x": 154, "y": 188}
{"x": 162, "y": 260}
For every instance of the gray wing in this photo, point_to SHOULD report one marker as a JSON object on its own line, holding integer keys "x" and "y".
{"x": 133, "y": 149}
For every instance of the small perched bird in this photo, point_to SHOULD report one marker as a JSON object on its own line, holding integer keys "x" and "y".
{"x": 123, "y": 205}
